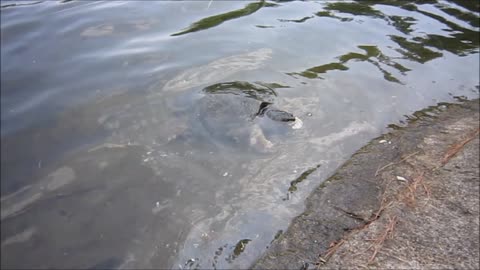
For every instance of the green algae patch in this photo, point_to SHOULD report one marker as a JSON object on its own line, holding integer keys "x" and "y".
{"x": 352, "y": 56}
{"x": 297, "y": 21}
{"x": 389, "y": 77}
{"x": 303, "y": 176}
{"x": 324, "y": 13}
{"x": 328, "y": 14}
{"x": 372, "y": 51}
{"x": 461, "y": 41}
{"x": 238, "y": 250}
{"x": 240, "y": 246}
{"x": 400, "y": 68}
{"x": 414, "y": 51}
{"x": 272, "y": 85}
{"x": 306, "y": 74}
{"x": 402, "y": 23}
{"x": 312, "y": 73}
{"x": 354, "y": 9}
{"x": 215, "y": 20}
{"x": 456, "y": 45}
{"x": 328, "y": 67}
{"x": 258, "y": 91}
{"x": 372, "y": 55}
{"x": 277, "y": 236}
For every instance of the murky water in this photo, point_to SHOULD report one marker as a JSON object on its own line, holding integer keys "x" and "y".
{"x": 140, "y": 135}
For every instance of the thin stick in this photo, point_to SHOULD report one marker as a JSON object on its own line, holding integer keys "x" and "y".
{"x": 455, "y": 148}
{"x": 393, "y": 163}
{"x": 381, "y": 239}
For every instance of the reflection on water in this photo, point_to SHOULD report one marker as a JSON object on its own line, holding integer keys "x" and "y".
{"x": 126, "y": 146}
{"x": 372, "y": 55}
{"x": 212, "y": 21}
{"x": 259, "y": 90}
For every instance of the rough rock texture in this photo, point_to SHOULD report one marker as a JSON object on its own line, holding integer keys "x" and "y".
{"x": 409, "y": 199}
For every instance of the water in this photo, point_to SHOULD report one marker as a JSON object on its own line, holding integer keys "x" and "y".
{"x": 129, "y": 135}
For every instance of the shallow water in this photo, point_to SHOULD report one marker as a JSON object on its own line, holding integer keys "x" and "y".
{"x": 130, "y": 134}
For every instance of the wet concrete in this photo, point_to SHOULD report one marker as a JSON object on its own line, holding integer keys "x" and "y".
{"x": 397, "y": 203}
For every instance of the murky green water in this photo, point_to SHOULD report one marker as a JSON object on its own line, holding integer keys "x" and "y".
{"x": 140, "y": 135}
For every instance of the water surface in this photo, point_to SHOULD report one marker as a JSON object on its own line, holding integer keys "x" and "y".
{"x": 130, "y": 133}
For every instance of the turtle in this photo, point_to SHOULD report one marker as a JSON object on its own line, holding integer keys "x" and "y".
{"x": 241, "y": 115}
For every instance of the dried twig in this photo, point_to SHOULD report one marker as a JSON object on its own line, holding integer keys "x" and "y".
{"x": 411, "y": 189}
{"x": 378, "y": 242}
{"x": 333, "y": 247}
{"x": 455, "y": 148}
{"x": 393, "y": 163}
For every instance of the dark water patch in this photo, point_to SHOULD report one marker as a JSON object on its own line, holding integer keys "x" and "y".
{"x": 264, "y": 26}
{"x": 213, "y": 21}
{"x": 218, "y": 253}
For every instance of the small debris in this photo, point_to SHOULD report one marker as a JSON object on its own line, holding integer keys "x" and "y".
{"x": 225, "y": 174}
{"x": 157, "y": 204}
{"x": 400, "y": 178}
{"x": 309, "y": 114}
{"x": 382, "y": 141}
{"x": 298, "y": 124}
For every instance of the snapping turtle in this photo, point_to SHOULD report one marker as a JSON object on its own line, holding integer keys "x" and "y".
{"x": 240, "y": 114}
